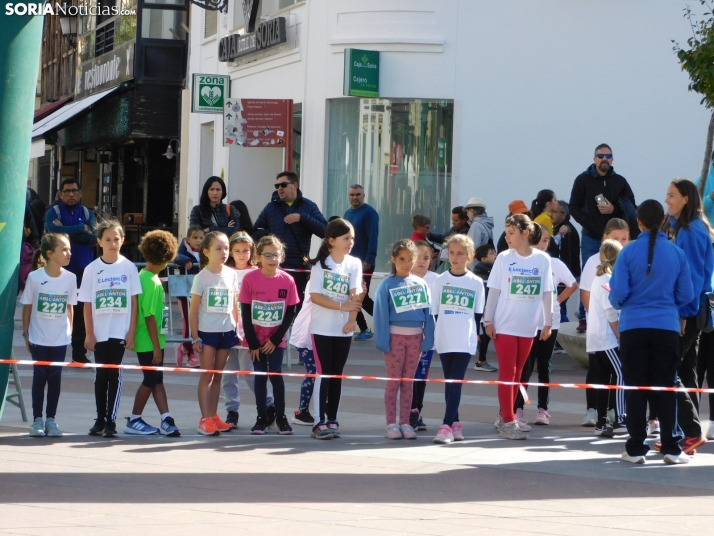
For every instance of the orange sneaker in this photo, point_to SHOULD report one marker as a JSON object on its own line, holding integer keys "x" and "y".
{"x": 207, "y": 427}
{"x": 220, "y": 425}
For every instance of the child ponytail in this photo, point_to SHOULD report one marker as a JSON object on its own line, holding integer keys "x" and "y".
{"x": 609, "y": 250}
{"x": 651, "y": 215}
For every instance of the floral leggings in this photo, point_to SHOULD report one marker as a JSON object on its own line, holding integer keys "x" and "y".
{"x": 308, "y": 384}
{"x": 402, "y": 362}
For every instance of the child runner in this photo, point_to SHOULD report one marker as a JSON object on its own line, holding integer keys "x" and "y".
{"x": 520, "y": 295}
{"x": 109, "y": 290}
{"x": 542, "y": 350}
{"x": 158, "y": 248}
{"x": 189, "y": 257}
{"x": 485, "y": 257}
{"x": 404, "y": 329}
{"x": 213, "y": 318}
{"x": 243, "y": 259}
{"x": 603, "y": 339}
{"x": 335, "y": 288}
{"x": 268, "y": 299}
{"x": 50, "y": 292}
{"x": 458, "y": 298}
{"x": 300, "y": 338}
{"x": 421, "y": 269}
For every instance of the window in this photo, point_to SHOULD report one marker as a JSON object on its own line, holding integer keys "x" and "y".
{"x": 104, "y": 39}
{"x": 163, "y": 24}
{"x": 211, "y": 24}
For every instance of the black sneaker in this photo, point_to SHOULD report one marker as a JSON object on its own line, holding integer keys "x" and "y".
{"x": 232, "y": 419}
{"x": 80, "y": 360}
{"x": 283, "y": 425}
{"x": 259, "y": 427}
{"x": 414, "y": 419}
{"x": 110, "y": 429}
{"x": 270, "y": 421}
{"x": 421, "y": 427}
{"x": 98, "y": 427}
{"x": 303, "y": 418}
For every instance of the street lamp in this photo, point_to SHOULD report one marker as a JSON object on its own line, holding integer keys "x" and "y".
{"x": 169, "y": 150}
{"x": 68, "y": 26}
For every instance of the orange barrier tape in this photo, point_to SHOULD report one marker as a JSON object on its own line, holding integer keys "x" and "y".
{"x": 353, "y": 377}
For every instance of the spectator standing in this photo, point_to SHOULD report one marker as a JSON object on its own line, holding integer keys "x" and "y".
{"x": 246, "y": 223}
{"x": 542, "y": 207}
{"x": 566, "y": 242}
{"x": 211, "y": 214}
{"x": 517, "y": 206}
{"x": 480, "y": 223}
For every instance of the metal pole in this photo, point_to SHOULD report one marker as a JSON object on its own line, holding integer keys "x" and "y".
{"x": 20, "y": 41}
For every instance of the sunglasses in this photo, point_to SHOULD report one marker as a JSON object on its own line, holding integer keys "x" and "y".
{"x": 603, "y": 155}
{"x": 281, "y": 185}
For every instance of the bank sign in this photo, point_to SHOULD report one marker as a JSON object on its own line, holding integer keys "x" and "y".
{"x": 106, "y": 71}
{"x": 209, "y": 92}
{"x": 268, "y": 34}
{"x": 361, "y": 73}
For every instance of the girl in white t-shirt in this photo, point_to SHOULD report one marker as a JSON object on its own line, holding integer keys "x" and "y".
{"x": 213, "y": 318}
{"x": 109, "y": 290}
{"x": 603, "y": 341}
{"x": 457, "y": 298}
{"x": 335, "y": 289}
{"x": 48, "y": 300}
{"x": 520, "y": 295}
{"x": 242, "y": 259}
{"x": 542, "y": 351}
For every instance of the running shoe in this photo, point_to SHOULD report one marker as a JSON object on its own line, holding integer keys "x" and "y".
{"x": 364, "y": 335}
{"x": 181, "y": 355}
{"x": 590, "y": 419}
{"x": 259, "y": 426}
{"x": 139, "y": 427}
{"x": 633, "y": 459}
{"x": 98, "y": 428}
{"x": 334, "y": 428}
{"x": 522, "y": 422}
{"x": 222, "y": 426}
{"x": 678, "y": 459}
{"x": 653, "y": 429}
{"x": 303, "y": 418}
{"x": 51, "y": 428}
{"x": 620, "y": 428}
{"x": 511, "y": 430}
{"x": 169, "y": 428}
{"x": 407, "y": 431}
{"x": 582, "y": 326}
{"x": 710, "y": 433}
{"x": 414, "y": 419}
{"x": 604, "y": 430}
{"x": 393, "y": 432}
{"x": 284, "y": 427}
{"x": 270, "y": 419}
{"x": 321, "y": 431}
{"x": 484, "y": 366}
{"x": 110, "y": 429}
{"x": 543, "y": 417}
{"x": 499, "y": 422}
{"x": 458, "y": 431}
{"x": 690, "y": 444}
{"x": 81, "y": 359}
{"x": 193, "y": 362}
{"x": 444, "y": 435}
{"x": 207, "y": 427}
{"x": 232, "y": 419}
{"x": 38, "y": 428}
{"x": 421, "y": 425}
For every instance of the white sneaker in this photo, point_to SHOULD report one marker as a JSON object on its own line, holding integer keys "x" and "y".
{"x": 710, "y": 433}
{"x": 38, "y": 428}
{"x": 511, "y": 430}
{"x": 499, "y": 422}
{"x": 590, "y": 418}
{"x": 543, "y": 417}
{"x": 633, "y": 459}
{"x": 393, "y": 431}
{"x": 653, "y": 428}
{"x": 679, "y": 459}
{"x": 611, "y": 415}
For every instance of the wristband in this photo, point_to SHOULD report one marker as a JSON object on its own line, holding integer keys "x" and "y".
{"x": 197, "y": 339}
{"x": 25, "y": 335}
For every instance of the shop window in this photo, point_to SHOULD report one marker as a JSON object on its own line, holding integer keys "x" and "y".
{"x": 210, "y": 27}
{"x": 399, "y": 150}
{"x": 104, "y": 39}
{"x": 163, "y": 24}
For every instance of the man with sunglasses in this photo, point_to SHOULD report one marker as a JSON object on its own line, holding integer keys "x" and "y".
{"x": 595, "y": 200}
{"x": 293, "y": 219}
{"x": 70, "y": 217}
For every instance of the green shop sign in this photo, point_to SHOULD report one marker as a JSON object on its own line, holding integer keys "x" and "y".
{"x": 361, "y": 73}
{"x": 209, "y": 92}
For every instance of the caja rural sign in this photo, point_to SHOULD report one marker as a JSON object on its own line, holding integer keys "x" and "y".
{"x": 209, "y": 92}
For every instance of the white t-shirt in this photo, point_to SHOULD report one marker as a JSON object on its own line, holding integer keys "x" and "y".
{"x": 522, "y": 282}
{"x": 219, "y": 293}
{"x": 589, "y": 272}
{"x": 300, "y": 332}
{"x": 240, "y": 274}
{"x": 109, "y": 288}
{"x": 335, "y": 283}
{"x": 49, "y": 298}
{"x": 561, "y": 275}
{"x": 429, "y": 277}
{"x": 599, "y": 336}
{"x": 456, "y": 298}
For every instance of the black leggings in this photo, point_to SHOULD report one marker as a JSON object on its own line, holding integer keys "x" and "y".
{"x": 541, "y": 352}
{"x": 107, "y": 384}
{"x": 330, "y": 358}
{"x": 49, "y": 376}
{"x": 705, "y": 367}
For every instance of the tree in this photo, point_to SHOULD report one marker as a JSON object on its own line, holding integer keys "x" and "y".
{"x": 698, "y": 61}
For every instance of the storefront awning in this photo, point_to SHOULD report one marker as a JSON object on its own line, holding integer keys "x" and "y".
{"x": 64, "y": 114}
{"x": 43, "y": 112}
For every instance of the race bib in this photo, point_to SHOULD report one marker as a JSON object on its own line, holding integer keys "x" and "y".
{"x": 409, "y": 298}
{"x": 267, "y": 314}
{"x": 524, "y": 287}
{"x": 457, "y": 299}
{"x": 336, "y": 286}
{"x": 164, "y": 322}
{"x": 220, "y": 300}
{"x": 51, "y": 306}
{"x": 111, "y": 300}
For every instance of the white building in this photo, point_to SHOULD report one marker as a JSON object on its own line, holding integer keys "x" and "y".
{"x": 516, "y": 93}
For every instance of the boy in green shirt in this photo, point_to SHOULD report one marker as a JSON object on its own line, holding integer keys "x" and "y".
{"x": 158, "y": 248}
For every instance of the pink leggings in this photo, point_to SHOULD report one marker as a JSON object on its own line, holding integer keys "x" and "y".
{"x": 402, "y": 362}
{"x": 512, "y": 354}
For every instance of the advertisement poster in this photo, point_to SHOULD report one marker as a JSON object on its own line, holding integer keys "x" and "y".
{"x": 257, "y": 122}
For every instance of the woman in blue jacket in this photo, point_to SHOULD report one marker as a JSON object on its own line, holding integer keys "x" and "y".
{"x": 211, "y": 214}
{"x": 649, "y": 284}
{"x": 690, "y": 230}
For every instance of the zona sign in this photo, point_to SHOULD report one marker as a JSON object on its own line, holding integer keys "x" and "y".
{"x": 209, "y": 92}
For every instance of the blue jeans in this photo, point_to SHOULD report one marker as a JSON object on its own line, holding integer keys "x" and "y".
{"x": 455, "y": 365}
{"x": 269, "y": 363}
{"x": 588, "y": 248}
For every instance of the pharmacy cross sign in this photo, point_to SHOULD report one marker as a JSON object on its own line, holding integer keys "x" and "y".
{"x": 209, "y": 92}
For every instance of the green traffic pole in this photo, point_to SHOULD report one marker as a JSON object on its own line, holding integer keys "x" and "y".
{"x": 20, "y": 41}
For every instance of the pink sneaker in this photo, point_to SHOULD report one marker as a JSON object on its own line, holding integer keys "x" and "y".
{"x": 193, "y": 362}
{"x": 543, "y": 417}
{"x": 181, "y": 355}
{"x": 444, "y": 435}
{"x": 393, "y": 432}
{"x": 522, "y": 422}
{"x": 457, "y": 431}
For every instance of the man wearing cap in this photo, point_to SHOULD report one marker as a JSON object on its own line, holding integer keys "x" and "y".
{"x": 481, "y": 224}
{"x": 514, "y": 207}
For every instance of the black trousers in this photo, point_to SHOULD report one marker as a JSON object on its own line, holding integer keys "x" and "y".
{"x": 705, "y": 366}
{"x": 301, "y": 279}
{"x": 367, "y": 305}
{"x": 330, "y": 358}
{"x": 650, "y": 358}
{"x": 541, "y": 352}
{"x": 79, "y": 332}
{"x": 688, "y": 403}
{"x": 107, "y": 383}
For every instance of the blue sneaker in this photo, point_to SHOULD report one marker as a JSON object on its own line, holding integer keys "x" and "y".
{"x": 364, "y": 335}
{"x": 139, "y": 427}
{"x": 169, "y": 428}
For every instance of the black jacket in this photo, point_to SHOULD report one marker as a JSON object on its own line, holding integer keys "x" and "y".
{"x": 583, "y": 206}
{"x": 568, "y": 245}
{"x": 216, "y": 219}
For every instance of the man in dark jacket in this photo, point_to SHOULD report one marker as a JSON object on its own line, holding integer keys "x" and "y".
{"x": 293, "y": 219}
{"x": 594, "y": 201}
{"x": 567, "y": 241}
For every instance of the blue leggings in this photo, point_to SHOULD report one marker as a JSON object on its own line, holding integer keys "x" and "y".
{"x": 422, "y": 373}
{"x": 308, "y": 384}
{"x": 455, "y": 365}
{"x": 49, "y": 376}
